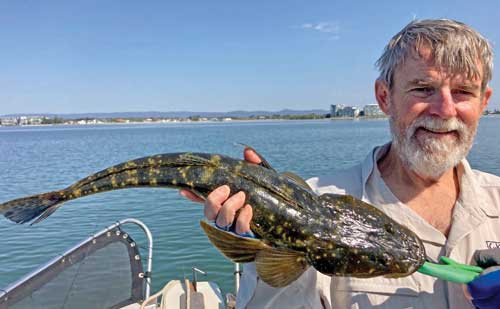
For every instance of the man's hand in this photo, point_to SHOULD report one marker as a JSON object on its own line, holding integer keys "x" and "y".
{"x": 485, "y": 289}
{"x": 222, "y": 207}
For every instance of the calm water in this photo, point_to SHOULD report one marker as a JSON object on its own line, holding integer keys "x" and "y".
{"x": 40, "y": 159}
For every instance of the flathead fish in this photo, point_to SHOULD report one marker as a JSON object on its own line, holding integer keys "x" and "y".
{"x": 295, "y": 228}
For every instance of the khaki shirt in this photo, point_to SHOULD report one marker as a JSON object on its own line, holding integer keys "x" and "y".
{"x": 475, "y": 225}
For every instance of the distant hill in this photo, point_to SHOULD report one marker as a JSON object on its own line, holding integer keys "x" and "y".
{"x": 180, "y": 114}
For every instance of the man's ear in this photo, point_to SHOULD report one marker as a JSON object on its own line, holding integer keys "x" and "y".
{"x": 382, "y": 94}
{"x": 486, "y": 98}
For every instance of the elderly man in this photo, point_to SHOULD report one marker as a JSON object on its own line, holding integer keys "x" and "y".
{"x": 433, "y": 85}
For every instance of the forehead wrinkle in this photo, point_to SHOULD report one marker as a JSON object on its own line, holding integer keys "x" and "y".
{"x": 431, "y": 81}
{"x": 428, "y": 74}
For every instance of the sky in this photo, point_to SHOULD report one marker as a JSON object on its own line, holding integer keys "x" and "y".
{"x": 124, "y": 56}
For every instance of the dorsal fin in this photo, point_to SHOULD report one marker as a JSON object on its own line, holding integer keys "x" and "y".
{"x": 192, "y": 159}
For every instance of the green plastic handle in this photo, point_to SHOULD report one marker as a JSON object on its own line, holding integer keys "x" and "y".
{"x": 473, "y": 268}
{"x": 451, "y": 270}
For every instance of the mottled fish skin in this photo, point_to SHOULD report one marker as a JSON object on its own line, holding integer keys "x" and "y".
{"x": 338, "y": 234}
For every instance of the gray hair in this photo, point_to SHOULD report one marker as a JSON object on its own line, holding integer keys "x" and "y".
{"x": 453, "y": 45}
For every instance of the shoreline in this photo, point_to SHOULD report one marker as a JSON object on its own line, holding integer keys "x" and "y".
{"x": 183, "y": 122}
{"x": 189, "y": 122}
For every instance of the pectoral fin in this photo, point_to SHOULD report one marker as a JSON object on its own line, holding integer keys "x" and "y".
{"x": 279, "y": 267}
{"x": 297, "y": 179}
{"x": 236, "y": 248}
{"x": 263, "y": 162}
{"x": 198, "y": 194}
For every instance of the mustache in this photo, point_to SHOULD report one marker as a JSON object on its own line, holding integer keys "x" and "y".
{"x": 437, "y": 124}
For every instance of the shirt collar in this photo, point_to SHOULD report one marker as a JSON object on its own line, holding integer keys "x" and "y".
{"x": 469, "y": 186}
{"x": 368, "y": 164}
{"x": 470, "y": 199}
{"x": 470, "y": 192}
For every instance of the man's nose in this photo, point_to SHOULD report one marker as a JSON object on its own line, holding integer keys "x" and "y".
{"x": 443, "y": 105}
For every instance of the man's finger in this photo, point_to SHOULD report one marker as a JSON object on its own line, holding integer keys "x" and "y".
{"x": 190, "y": 196}
{"x": 228, "y": 210}
{"x": 214, "y": 201}
{"x": 251, "y": 156}
{"x": 244, "y": 219}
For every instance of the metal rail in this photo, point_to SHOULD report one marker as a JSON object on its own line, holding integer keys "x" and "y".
{"x": 147, "y": 275}
{"x": 150, "y": 250}
{"x": 237, "y": 275}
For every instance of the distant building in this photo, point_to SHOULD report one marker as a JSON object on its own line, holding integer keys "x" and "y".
{"x": 335, "y": 109}
{"x": 9, "y": 121}
{"x": 21, "y": 121}
{"x": 349, "y": 111}
{"x": 373, "y": 110}
{"x": 343, "y": 111}
{"x": 35, "y": 120}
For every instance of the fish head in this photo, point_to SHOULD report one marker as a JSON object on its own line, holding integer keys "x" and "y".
{"x": 357, "y": 239}
{"x": 391, "y": 253}
{"x": 392, "y": 249}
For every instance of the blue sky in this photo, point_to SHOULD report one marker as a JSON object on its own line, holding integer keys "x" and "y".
{"x": 115, "y": 56}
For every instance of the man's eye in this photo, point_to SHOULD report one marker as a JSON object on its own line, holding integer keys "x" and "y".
{"x": 463, "y": 91}
{"x": 423, "y": 90}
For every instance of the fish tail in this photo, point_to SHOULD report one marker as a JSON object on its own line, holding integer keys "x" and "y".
{"x": 37, "y": 207}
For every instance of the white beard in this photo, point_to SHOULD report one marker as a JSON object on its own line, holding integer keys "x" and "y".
{"x": 429, "y": 156}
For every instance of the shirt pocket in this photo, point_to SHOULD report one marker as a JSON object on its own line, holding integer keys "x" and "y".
{"x": 376, "y": 292}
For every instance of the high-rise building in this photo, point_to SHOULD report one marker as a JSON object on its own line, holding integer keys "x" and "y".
{"x": 373, "y": 110}
{"x": 335, "y": 109}
{"x": 343, "y": 111}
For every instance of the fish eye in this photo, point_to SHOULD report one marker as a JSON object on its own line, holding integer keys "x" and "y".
{"x": 389, "y": 228}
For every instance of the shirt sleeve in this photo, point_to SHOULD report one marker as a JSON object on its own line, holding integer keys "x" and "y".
{"x": 248, "y": 284}
{"x": 311, "y": 290}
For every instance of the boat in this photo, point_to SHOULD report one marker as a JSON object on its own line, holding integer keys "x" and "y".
{"x": 106, "y": 270}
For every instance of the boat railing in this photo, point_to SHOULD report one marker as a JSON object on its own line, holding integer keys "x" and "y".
{"x": 105, "y": 267}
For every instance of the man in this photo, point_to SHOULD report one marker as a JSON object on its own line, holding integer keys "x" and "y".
{"x": 433, "y": 85}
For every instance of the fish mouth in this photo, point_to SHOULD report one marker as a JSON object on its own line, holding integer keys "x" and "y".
{"x": 403, "y": 269}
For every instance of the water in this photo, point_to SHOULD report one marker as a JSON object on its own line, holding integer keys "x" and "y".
{"x": 40, "y": 159}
